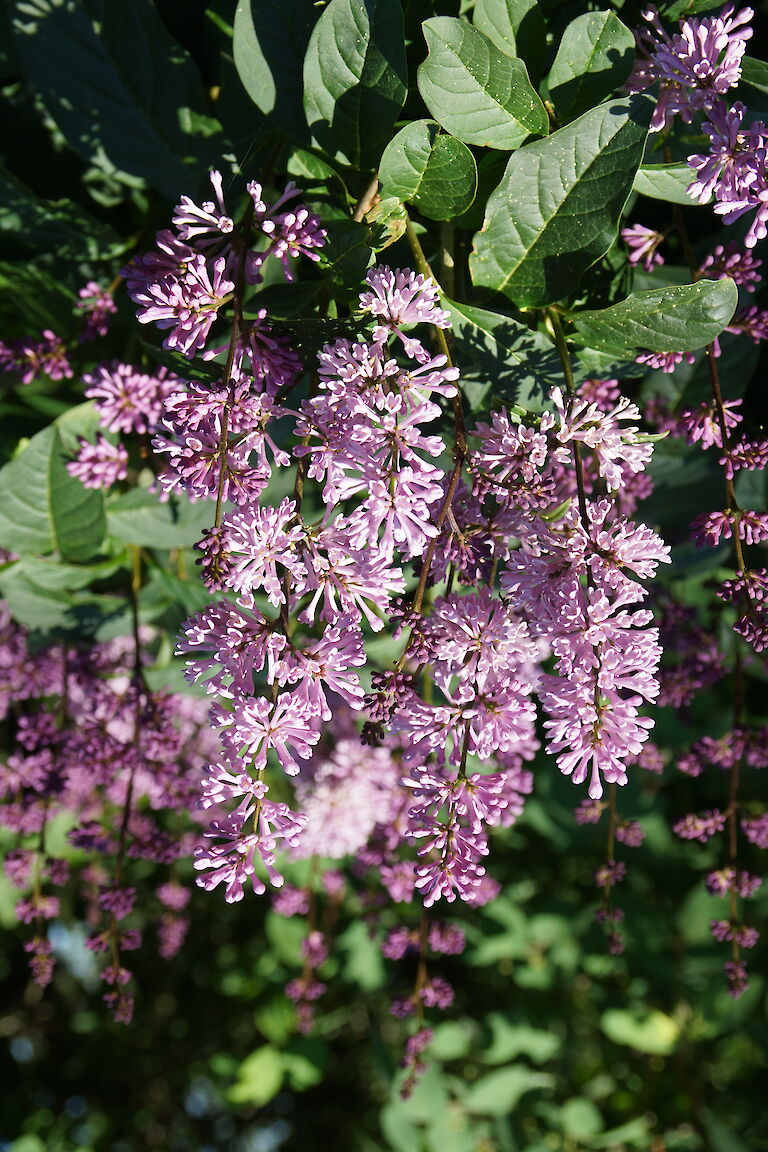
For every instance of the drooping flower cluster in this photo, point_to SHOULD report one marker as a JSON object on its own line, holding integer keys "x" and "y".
{"x": 92, "y": 741}
{"x": 694, "y": 66}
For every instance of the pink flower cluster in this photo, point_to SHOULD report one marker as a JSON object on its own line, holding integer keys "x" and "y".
{"x": 92, "y": 741}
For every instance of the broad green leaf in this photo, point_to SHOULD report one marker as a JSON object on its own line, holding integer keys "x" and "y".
{"x": 43, "y": 509}
{"x": 663, "y": 320}
{"x": 503, "y": 358}
{"x": 355, "y": 78}
{"x": 436, "y": 173}
{"x": 755, "y": 73}
{"x": 113, "y": 79}
{"x": 51, "y": 610}
{"x": 497, "y": 1093}
{"x": 31, "y": 294}
{"x": 138, "y": 517}
{"x": 269, "y": 44}
{"x": 259, "y": 1077}
{"x": 558, "y": 206}
{"x": 654, "y": 1032}
{"x": 388, "y": 220}
{"x": 664, "y": 182}
{"x": 682, "y": 9}
{"x": 477, "y": 92}
{"x": 36, "y": 225}
{"x": 516, "y": 27}
{"x": 594, "y": 58}
{"x": 346, "y": 254}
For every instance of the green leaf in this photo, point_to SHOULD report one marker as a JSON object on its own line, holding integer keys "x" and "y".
{"x": 269, "y": 44}
{"x": 138, "y": 517}
{"x": 755, "y": 73}
{"x": 29, "y": 290}
{"x": 497, "y": 1093}
{"x": 259, "y": 1077}
{"x": 346, "y": 254}
{"x": 115, "y": 82}
{"x": 503, "y": 358}
{"x": 681, "y": 9}
{"x": 388, "y": 220}
{"x": 580, "y": 1119}
{"x": 477, "y": 92}
{"x": 558, "y": 206}
{"x": 664, "y": 182}
{"x": 594, "y": 58}
{"x": 654, "y": 1032}
{"x": 355, "y": 78}
{"x": 516, "y": 27}
{"x": 37, "y": 225}
{"x": 43, "y": 509}
{"x": 510, "y": 1040}
{"x": 664, "y": 320}
{"x": 436, "y": 173}
{"x": 53, "y": 610}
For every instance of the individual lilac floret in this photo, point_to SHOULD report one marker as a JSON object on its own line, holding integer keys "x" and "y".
{"x": 643, "y": 243}
{"x": 99, "y": 465}
{"x": 400, "y": 297}
{"x": 193, "y": 222}
{"x": 694, "y": 66}
{"x": 96, "y": 305}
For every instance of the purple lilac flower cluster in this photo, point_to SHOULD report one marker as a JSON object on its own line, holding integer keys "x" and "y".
{"x": 93, "y": 742}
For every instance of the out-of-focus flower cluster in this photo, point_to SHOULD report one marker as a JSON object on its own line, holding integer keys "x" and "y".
{"x": 92, "y": 745}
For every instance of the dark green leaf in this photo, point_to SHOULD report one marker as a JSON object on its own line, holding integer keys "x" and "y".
{"x": 594, "y": 58}
{"x": 346, "y": 254}
{"x": 501, "y": 357}
{"x": 269, "y": 44}
{"x": 477, "y": 92}
{"x": 42, "y": 508}
{"x": 37, "y": 225}
{"x": 31, "y": 294}
{"x": 516, "y": 27}
{"x": 114, "y": 81}
{"x": 140, "y": 518}
{"x": 755, "y": 73}
{"x": 436, "y": 173}
{"x": 355, "y": 78}
{"x": 207, "y": 370}
{"x": 680, "y": 9}
{"x": 663, "y": 320}
{"x": 387, "y": 219}
{"x": 558, "y": 206}
{"x": 664, "y": 182}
